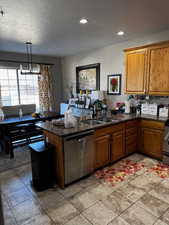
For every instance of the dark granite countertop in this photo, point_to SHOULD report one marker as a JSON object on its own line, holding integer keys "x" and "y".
{"x": 119, "y": 118}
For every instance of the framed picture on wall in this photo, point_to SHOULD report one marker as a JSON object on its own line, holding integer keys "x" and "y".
{"x": 88, "y": 77}
{"x": 114, "y": 84}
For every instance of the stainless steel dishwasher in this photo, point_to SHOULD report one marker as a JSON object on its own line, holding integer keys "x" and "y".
{"x": 79, "y": 150}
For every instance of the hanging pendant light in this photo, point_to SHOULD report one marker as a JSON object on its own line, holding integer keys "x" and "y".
{"x": 29, "y": 68}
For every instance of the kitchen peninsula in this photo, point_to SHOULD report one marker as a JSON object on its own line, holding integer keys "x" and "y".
{"x": 112, "y": 140}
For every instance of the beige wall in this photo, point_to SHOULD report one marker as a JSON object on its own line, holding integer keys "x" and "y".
{"x": 56, "y": 71}
{"x": 111, "y": 59}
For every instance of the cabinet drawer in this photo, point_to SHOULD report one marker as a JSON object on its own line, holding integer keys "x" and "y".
{"x": 130, "y": 131}
{"x": 109, "y": 130}
{"x": 131, "y": 139}
{"x": 131, "y": 124}
{"x": 117, "y": 127}
{"x": 102, "y": 131}
{"x": 152, "y": 124}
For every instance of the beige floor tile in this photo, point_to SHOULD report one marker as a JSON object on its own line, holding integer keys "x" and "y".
{"x": 136, "y": 157}
{"x": 9, "y": 218}
{"x": 78, "y": 220}
{"x": 146, "y": 181}
{"x": 117, "y": 202}
{"x": 63, "y": 213}
{"x": 149, "y": 162}
{"x": 88, "y": 181}
{"x": 161, "y": 192}
{"x": 11, "y": 184}
{"x": 153, "y": 205}
{"x": 18, "y": 196}
{"x": 118, "y": 221}
{"x": 138, "y": 216}
{"x": 26, "y": 210}
{"x": 7, "y": 174}
{"x": 50, "y": 199}
{"x": 71, "y": 190}
{"x": 118, "y": 184}
{"x": 140, "y": 172}
{"x": 23, "y": 170}
{"x": 101, "y": 191}
{"x": 83, "y": 200}
{"x": 38, "y": 220}
{"x": 132, "y": 193}
{"x": 165, "y": 217}
{"x": 98, "y": 214}
{"x": 160, "y": 222}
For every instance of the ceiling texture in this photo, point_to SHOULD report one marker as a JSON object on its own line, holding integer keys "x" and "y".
{"x": 54, "y": 29}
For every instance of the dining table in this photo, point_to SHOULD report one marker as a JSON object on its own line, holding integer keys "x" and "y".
{"x": 10, "y": 123}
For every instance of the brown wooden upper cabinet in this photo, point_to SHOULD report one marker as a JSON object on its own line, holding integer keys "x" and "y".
{"x": 147, "y": 69}
{"x": 158, "y": 82}
{"x": 136, "y": 71}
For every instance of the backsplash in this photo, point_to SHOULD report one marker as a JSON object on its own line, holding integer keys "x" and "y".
{"x": 112, "y": 100}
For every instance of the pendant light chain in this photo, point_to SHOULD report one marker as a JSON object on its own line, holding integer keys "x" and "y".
{"x": 29, "y": 61}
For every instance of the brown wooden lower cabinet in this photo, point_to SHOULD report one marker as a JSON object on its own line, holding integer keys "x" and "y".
{"x": 114, "y": 142}
{"x": 131, "y": 135}
{"x": 131, "y": 143}
{"x": 117, "y": 149}
{"x": 152, "y": 142}
{"x": 102, "y": 156}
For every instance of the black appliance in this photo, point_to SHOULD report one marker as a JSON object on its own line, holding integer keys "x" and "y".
{"x": 1, "y": 211}
{"x": 42, "y": 161}
{"x": 166, "y": 144}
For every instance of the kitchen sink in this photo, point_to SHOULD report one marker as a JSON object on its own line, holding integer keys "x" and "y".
{"x": 93, "y": 122}
{"x": 100, "y": 121}
{"x": 108, "y": 120}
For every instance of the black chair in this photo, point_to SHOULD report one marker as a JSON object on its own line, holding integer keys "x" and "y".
{"x": 22, "y": 134}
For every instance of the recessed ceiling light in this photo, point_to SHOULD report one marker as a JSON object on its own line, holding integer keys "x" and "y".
{"x": 120, "y": 33}
{"x": 83, "y": 21}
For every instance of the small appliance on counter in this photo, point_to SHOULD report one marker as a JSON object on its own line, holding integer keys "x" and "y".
{"x": 149, "y": 109}
{"x": 163, "y": 111}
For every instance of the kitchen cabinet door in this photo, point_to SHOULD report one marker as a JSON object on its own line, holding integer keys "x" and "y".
{"x": 117, "y": 145}
{"x": 131, "y": 136}
{"x": 102, "y": 156}
{"x": 152, "y": 142}
{"x": 131, "y": 143}
{"x": 158, "y": 76}
{"x": 136, "y": 62}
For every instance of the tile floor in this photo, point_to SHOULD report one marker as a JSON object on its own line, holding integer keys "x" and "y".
{"x": 141, "y": 199}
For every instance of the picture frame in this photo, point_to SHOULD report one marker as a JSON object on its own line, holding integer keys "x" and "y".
{"x": 88, "y": 77}
{"x": 114, "y": 84}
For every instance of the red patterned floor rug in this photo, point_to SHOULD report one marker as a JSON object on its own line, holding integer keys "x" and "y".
{"x": 160, "y": 169}
{"x": 118, "y": 173}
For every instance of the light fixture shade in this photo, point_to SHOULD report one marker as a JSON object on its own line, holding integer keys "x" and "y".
{"x": 34, "y": 69}
{"x": 30, "y": 68}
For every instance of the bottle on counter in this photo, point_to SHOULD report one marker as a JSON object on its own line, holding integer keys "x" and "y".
{"x": 127, "y": 107}
{"x": 20, "y": 113}
{"x": 2, "y": 117}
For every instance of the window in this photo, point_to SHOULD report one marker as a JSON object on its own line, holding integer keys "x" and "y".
{"x": 17, "y": 88}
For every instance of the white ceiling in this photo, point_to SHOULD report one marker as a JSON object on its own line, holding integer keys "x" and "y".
{"x": 54, "y": 29}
